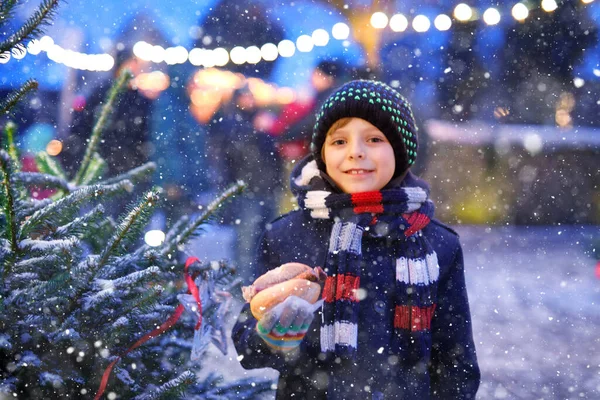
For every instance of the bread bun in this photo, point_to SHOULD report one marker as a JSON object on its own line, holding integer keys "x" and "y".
{"x": 268, "y": 298}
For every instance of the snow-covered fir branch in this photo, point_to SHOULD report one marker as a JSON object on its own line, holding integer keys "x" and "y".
{"x": 172, "y": 389}
{"x": 130, "y": 226}
{"x": 135, "y": 175}
{"x": 43, "y": 180}
{"x": 190, "y": 228}
{"x": 48, "y": 246}
{"x": 96, "y": 168}
{"x": 48, "y": 165}
{"x": 57, "y": 211}
{"x": 30, "y": 206}
{"x": 80, "y": 225}
{"x": 92, "y": 146}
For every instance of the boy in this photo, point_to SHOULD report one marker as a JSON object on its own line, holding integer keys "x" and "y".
{"x": 395, "y": 322}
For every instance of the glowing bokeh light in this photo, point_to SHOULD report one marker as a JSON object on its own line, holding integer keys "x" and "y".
{"x": 549, "y": 5}
{"x": 421, "y": 23}
{"x": 520, "y": 12}
{"x": 379, "y": 20}
{"x": 398, "y": 23}
{"x": 304, "y": 43}
{"x": 154, "y": 238}
{"x": 491, "y": 16}
{"x": 442, "y": 22}
{"x": 286, "y": 48}
{"x": 463, "y": 12}
{"x": 253, "y": 55}
{"x": 340, "y": 31}
{"x": 320, "y": 37}
{"x": 238, "y": 55}
{"x": 269, "y": 52}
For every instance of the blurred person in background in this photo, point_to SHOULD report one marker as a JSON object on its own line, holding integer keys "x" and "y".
{"x": 249, "y": 154}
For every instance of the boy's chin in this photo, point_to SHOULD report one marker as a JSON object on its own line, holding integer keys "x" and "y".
{"x": 359, "y": 188}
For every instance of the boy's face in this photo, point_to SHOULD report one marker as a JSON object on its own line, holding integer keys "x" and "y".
{"x": 358, "y": 157}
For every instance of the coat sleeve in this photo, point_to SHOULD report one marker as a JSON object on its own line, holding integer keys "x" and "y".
{"x": 454, "y": 370}
{"x": 254, "y": 352}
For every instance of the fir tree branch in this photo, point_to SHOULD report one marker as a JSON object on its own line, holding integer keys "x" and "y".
{"x": 79, "y": 227}
{"x": 11, "y": 198}
{"x": 43, "y": 180}
{"x": 174, "y": 389}
{"x": 42, "y": 16}
{"x": 9, "y": 142}
{"x": 134, "y": 175}
{"x": 134, "y": 221}
{"x": 7, "y": 10}
{"x": 56, "y": 211}
{"x": 117, "y": 87}
{"x": 29, "y": 206}
{"x": 95, "y": 170}
{"x": 47, "y": 164}
{"x": 211, "y": 209}
{"x": 12, "y": 99}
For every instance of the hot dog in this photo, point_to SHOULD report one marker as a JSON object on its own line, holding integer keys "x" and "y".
{"x": 291, "y": 279}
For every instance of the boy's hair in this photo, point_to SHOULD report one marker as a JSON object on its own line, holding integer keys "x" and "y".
{"x": 340, "y": 123}
{"x": 378, "y": 104}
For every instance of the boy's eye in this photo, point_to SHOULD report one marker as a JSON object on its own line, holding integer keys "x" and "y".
{"x": 377, "y": 139}
{"x": 337, "y": 142}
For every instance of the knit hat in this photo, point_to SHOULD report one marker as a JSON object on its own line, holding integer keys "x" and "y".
{"x": 378, "y": 104}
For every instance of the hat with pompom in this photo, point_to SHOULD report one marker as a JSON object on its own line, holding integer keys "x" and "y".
{"x": 378, "y": 104}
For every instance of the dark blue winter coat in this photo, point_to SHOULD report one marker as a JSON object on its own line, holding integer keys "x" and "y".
{"x": 441, "y": 366}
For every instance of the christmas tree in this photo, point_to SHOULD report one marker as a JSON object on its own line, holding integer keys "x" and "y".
{"x": 86, "y": 308}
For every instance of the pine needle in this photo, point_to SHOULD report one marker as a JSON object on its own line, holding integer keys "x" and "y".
{"x": 51, "y": 215}
{"x": 209, "y": 212}
{"x": 131, "y": 224}
{"x": 9, "y": 143}
{"x": 11, "y": 197}
{"x": 134, "y": 175}
{"x": 117, "y": 87}
{"x": 47, "y": 164}
{"x": 7, "y": 104}
{"x": 32, "y": 27}
{"x": 43, "y": 180}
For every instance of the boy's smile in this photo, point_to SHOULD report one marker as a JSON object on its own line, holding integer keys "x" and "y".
{"x": 359, "y": 157}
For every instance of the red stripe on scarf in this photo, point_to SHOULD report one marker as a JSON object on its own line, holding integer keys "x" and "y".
{"x": 413, "y": 318}
{"x": 341, "y": 287}
{"x": 367, "y": 202}
{"x": 417, "y": 221}
{"x": 193, "y": 290}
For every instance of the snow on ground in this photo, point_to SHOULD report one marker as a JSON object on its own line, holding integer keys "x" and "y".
{"x": 535, "y": 307}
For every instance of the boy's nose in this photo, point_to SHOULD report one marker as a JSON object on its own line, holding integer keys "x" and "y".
{"x": 356, "y": 151}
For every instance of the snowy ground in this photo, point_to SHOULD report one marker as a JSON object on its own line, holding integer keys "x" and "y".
{"x": 535, "y": 306}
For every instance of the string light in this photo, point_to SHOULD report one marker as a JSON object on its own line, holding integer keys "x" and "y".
{"x": 421, "y": 24}
{"x": 320, "y": 37}
{"x": 520, "y": 12}
{"x": 340, "y": 31}
{"x": 286, "y": 48}
{"x": 491, "y": 16}
{"x": 379, "y": 20}
{"x": 549, "y": 5}
{"x": 267, "y": 52}
{"x": 304, "y": 43}
{"x": 463, "y": 12}
{"x": 442, "y": 22}
{"x": 398, "y": 23}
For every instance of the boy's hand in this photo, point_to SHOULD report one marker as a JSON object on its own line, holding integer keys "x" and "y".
{"x": 284, "y": 327}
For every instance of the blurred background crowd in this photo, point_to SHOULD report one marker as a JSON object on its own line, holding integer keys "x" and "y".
{"x": 507, "y": 97}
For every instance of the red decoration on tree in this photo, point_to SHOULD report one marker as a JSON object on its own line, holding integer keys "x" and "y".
{"x": 193, "y": 290}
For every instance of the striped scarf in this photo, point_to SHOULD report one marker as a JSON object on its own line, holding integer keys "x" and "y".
{"x": 398, "y": 213}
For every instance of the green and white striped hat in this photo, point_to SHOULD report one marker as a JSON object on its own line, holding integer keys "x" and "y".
{"x": 378, "y": 104}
